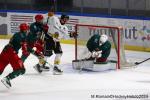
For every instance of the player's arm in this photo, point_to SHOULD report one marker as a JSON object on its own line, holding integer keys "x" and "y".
{"x": 106, "y": 46}
{"x": 60, "y": 28}
{"x": 90, "y": 43}
{"x": 39, "y": 46}
{"x": 24, "y": 48}
{"x": 33, "y": 29}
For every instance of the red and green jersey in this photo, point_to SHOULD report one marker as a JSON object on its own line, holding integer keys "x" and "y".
{"x": 17, "y": 40}
{"x": 36, "y": 30}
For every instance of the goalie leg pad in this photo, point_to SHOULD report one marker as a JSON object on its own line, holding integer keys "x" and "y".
{"x": 82, "y": 64}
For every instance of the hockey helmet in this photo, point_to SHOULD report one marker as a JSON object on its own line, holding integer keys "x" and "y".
{"x": 50, "y": 13}
{"x": 64, "y": 16}
{"x": 23, "y": 27}
{"x": 103, "y": 38}
{"x": 39, "y": 17}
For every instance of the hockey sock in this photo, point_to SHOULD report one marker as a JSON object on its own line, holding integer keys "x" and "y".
{"x": 57, "y": 59}
{"x": 15, "y": 74}
{"x": 23, "y": 58}
{"x": 42, "y": 61}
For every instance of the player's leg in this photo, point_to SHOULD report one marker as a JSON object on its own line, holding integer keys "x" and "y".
{"x": 58, "y": 53}
{"x": 24, "y": 57}
{"x": 18, "y": 68}
{"x": 4, "y": 60}
{"x": 48, "y": 48}
{"x": 3, "y": 64}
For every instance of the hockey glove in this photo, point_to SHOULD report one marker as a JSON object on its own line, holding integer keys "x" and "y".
{"x": 96, "y": 54}
{"x": 39, "y": 44}
{"x": 73, "y": 34}
{"x": 24, "y": 49}
{"x": 56, "y": 35}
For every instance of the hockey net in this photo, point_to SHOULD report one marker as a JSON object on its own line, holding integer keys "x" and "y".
{"x": 115, "y": 36}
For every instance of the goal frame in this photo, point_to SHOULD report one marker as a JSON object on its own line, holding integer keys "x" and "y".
{"x": 118, "y": 66}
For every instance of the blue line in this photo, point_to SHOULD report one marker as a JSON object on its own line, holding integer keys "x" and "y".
{"x": 81, "y": 14}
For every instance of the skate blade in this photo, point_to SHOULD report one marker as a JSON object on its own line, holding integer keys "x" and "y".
{"x": 46, "y": 70}
{"x": 7, "y": 86}
{"x": 57, "y": 73}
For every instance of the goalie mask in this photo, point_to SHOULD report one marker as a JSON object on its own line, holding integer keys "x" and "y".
{"x": 103, "y": 38}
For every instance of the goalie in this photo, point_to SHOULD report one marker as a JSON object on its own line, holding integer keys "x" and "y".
{"x": 99, "y": 48}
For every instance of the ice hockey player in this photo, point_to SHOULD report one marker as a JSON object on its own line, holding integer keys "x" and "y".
{"x": 35, "y": 40}
{"x": 100, "y": 47}
{"x": 9, "y": 55}
{"x": 57, "y": 30}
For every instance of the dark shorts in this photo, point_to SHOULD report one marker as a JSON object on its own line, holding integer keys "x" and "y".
{"x": 51, "y": 46}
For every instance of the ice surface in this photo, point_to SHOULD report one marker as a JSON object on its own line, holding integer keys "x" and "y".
{"x": 74, "y": 85}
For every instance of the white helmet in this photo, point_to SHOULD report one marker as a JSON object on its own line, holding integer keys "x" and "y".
{"x": 103, "y": 38}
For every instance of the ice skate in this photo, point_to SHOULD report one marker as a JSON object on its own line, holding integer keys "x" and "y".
{"x": 57, "y": 71}
{"x": 45, "y": 68}
{"x": 6, "y": 82}
{"x": 37, "y": 67}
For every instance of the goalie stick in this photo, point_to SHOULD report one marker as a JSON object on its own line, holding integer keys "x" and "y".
{"x": 137, "y": 63}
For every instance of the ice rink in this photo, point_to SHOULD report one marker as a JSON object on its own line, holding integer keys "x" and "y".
{"x": 74, "y": 85}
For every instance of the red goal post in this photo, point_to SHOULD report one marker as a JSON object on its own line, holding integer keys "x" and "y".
{"x": 117, "y": 38}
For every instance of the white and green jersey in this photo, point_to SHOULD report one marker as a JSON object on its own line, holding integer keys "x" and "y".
{"x": 93, "y": 44}
{"x": 55, "y": 27}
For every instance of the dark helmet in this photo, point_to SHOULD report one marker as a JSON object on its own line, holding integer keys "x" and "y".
{"x": 64, "y": 16}
{"x": 23, "y": 27}
{"x": 39, "y": 17}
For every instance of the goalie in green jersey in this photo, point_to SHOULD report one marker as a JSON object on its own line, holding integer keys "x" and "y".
{"x": 99, "y": 47}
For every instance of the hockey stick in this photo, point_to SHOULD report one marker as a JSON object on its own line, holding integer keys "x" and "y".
{"x": 137, "y": 63}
